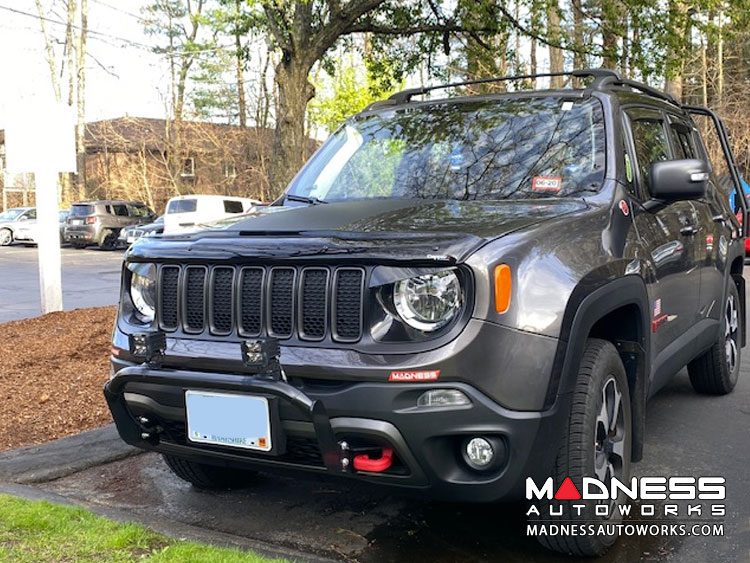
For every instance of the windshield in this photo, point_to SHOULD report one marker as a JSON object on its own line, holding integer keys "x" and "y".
{"x": 11, "y": 214}
{"x": 496, "y": 149}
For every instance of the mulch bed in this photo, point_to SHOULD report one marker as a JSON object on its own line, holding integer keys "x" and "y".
{"x": 52, "y": 372}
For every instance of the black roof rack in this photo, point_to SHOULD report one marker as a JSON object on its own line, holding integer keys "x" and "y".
{"x": 603, "y": 78}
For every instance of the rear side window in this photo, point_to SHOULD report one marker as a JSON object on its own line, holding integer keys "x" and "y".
{"x": 683, "y": 145}
{"x": 82, "y": 210}
{"x": 232, "y": 206}
{"x": 182, "y": 206}
{"x": 139, "y": 211}
{"x": 651, "y": 145}
{"x": 120, "y": 210}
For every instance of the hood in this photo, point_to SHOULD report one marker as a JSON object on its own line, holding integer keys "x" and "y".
{"x": 390, "y": 229}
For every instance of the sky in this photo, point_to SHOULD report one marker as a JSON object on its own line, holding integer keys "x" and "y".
{"x": 121, "y": 78}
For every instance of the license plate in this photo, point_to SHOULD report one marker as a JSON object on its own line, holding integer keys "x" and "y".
{"x": 220, "y": 419}
{"x": 76, "y": 221}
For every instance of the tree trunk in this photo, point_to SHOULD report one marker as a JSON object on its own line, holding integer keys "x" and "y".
{"x": 69, "y": 45}
{"x": 610, "y": 25}
{"x": 81, "y": 104}
{"x": 578, "y": 61}
{"x": 240, "y": 70}
{"x": 554, "y": 34}
{"x": 290, "y": 143}
{"x": 675, "y": 58}
{"x": 50, "y": 52}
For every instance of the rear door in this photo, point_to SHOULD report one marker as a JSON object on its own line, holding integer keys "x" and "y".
{"x": 712, "y": 219}
{"x": 666, "y": 235}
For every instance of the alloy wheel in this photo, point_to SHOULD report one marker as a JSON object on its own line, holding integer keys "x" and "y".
{"x": 610, "y": 435}
{"x": 731, "y": 324}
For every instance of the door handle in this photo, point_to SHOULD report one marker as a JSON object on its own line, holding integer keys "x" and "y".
{"x": 687, "y": 231}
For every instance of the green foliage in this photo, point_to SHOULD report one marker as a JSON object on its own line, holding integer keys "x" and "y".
{"x": 351, "y": 92}
{"x": 42, "y": 532}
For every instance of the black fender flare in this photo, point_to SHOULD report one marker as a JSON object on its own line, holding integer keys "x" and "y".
{"x": 585, "y": 307}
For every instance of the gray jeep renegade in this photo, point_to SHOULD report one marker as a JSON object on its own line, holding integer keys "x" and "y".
{"x": 452, "y": 297}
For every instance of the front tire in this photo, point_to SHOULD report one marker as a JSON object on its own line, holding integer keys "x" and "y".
{"x": 717, "y": 370}
{"x": 6, "y": 237}
{"x": 597, "y": 444}
{"x": 204, "y": 476}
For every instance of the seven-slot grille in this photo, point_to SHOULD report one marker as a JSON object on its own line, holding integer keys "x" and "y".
{"x": 312, "y": 303}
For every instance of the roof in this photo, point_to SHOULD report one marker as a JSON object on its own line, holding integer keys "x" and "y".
{"x": 131, "y": 134}
{"x": 108, "y": 202}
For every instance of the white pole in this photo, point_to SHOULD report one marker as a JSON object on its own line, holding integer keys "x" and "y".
{"x": 50, "y": 279}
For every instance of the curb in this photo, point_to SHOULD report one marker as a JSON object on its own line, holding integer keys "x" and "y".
{"x": 171, "y": 529}
{"x": 46, "y": 462}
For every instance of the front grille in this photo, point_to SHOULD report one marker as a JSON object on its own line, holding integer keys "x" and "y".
{"x": 281, "y": 302}
{"x": 310, "y": 303}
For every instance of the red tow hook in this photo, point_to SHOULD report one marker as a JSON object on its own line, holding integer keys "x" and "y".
{"x": 364, "y": 462}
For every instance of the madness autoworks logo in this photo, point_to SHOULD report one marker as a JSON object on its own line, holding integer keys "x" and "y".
{"x": 655, "y": 496}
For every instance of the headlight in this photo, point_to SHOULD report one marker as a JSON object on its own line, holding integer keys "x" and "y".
{"x": 143, "y": 290}
{"x": 428, "y": 302}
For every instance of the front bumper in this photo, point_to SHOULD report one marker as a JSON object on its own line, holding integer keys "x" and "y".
{"x": 316, "y": 419}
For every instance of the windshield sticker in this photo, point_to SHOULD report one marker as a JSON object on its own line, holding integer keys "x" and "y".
{"x": 566, "y": 106}
{"x": 546, "y": 183}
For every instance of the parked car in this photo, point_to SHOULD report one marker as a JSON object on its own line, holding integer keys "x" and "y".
{"x": 454, "y": 296}
{"x": 27, "y": 232}
{"x": 131, "y": 234}
{"x": 11, "y": 219}
{"x": 185, "y": 213}
{"x": 100, "y": 222}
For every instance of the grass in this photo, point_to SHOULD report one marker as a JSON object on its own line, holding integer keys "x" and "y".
{"x": 38, "y": 531}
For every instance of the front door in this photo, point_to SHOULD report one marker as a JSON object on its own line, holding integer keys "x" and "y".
{"x": 668, "y": 238}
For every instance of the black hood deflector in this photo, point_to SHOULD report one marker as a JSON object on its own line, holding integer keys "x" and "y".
{"x": 377, "y": 231}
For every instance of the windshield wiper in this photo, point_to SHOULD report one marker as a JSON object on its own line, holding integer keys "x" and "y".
{"x": 305, "y": 199}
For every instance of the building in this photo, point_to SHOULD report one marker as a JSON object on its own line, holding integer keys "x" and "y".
{"x": 152, "y": 160}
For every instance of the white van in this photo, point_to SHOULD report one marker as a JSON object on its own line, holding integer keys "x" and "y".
{"x": 187, "y": 212}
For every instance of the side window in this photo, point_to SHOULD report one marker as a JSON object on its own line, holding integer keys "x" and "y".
{"x": 120, "y": 210}
{"x": 231, "y": 206}
{"x": 651, "y": 145}
{"x": 682, "y": 141}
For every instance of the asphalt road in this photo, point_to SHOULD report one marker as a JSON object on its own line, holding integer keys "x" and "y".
{"x": 687, "y": 435}
{"x": 90, "y": 278}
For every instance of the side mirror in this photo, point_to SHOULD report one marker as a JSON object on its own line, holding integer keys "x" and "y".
{"x": 677, "y": 180}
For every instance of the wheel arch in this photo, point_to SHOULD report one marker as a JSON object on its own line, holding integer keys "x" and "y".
{"x": 618, "y": 312}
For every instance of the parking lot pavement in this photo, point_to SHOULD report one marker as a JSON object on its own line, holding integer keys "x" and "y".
{"x": 90, "y": 278}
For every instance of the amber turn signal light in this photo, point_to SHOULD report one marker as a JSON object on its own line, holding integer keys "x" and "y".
{"x": 502, "y": 288}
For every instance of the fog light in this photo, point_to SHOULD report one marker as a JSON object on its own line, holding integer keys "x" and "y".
{"x": 442, "y": 398}
{"x": 479, "y": 453}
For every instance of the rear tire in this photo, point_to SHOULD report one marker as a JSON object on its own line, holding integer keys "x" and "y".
{"x": 205, "y": 476}
{"x": 597, "y": 444}
{"x": 108, "y": 240}
{"x": 717, "y": 370}
{"x": 6, "y": 237}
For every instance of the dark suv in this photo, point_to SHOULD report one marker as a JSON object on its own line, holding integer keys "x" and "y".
{"x": 453, "y": 296}
{"x": 100, "y": 222}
